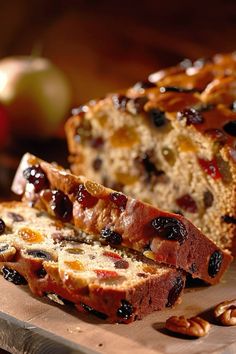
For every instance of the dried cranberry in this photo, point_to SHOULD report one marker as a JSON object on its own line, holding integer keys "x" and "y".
{"x": 2, "y": 226}
{"x": 41, "y": 273}
{"x": 36, "y": 176}
{"x": 230, "y": 128}
{"x": 86, "y": 199}
{"x": 170, "y": 228}
{"x": 120, "y": 102}
{"x": 97, "y": 164}
{"x": 175, "y": 292}
{"x": 112, "y": 237}
{"x": 187, "y": 203}
{"x": 228, "y": 219}
{"x": 97, "y": 142}
{"x": 191, "y": 115}
{"x": 112, "y": 255}
{"x": 122, "y": 264}
{"x": 15, "y": 217}
{"x": 94, "y": 312}
{"x": 210, "y": 167}
{"x": 215, "y": 263}
{"x": 158, "y": 117}
{"x": 39, "y": 254}
{"x": 13, "y": 276}
{"x": 144, "y": 85}
{"x": 61, "y": 205}
{"x": 119, "y": 199}
{"x": 126, "y": 310}
{"x": 208, "y": 199}
{"x": 216, "y": 134}
{"x": 176, "y": 89}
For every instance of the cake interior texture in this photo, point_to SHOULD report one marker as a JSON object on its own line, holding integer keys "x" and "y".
{"x": 169, "y": 141}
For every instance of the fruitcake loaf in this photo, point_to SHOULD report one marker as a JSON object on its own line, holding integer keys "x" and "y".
{"x": 170, "y": 141}
{"x": 116, "y": 219}
{"x": 109, "y": 283}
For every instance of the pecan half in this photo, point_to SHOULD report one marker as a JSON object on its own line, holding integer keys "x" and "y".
{"x": 225, "y": 312}
{"x": 194, "y": 326}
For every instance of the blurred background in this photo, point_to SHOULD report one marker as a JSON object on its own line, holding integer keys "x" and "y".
{"x": 102, "y": 46}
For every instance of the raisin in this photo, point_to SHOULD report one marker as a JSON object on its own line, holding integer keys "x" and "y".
{"x": 119, "y": 199}
{"x": 191, "y": 115}
{"x": 13, "y": 276}
{"x": 39, "y": 254}
{"x": 176, "y": 89}
{"x": 215, "y": 263}
{"x": 2, "y": 226}
{"x": 170, "y": 228}
{"x": 144, "y": 85}
{"x": 97, "y": 164}
{"x": 86, "y": 199}
{"x": 41, "y": 273}
{"x": 120, "y": 102}
{"x": 97, "y": 142}
{"x": 126, "y": 310}
{"x": 175, "y": 292}
{"x": 233, "y": 106}
{"x": 61, "y": 205}
{"x": 187, "y": 203}
{"x": 208, "y": 199}
{"x": 112, "y": 237}
{"x": 193, "y": 268}
{"x": 216, "y": 134}
{"x": 3, "y": 248}
{"x": 15, "y": 217}
{"x": 36, "y": 176}
{"x": 158, "y": 117}
{"x": 210, "y": 167}
{"x": 228, "y": 219}
{"x": 94, "y": 312}
{"x": 122, "y": 264}
{"x": 148, "y": 167}
{"x": 230, "y": 128}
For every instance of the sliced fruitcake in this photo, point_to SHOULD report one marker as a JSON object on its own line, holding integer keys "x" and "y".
{"x": 116, "y": 219}
{"x": 169, "y": 141}
{"x": 109, "y": 283}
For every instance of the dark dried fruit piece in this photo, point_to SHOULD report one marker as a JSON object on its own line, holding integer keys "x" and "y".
{"x": 228, "y": 219}
{"x": 158, "y": 117}
{"x": 208, "y": 199}
{"x": 215, "y": 263}
{"x": 126, "y": 310}
{"x": 138, "y": 104}
{"x": 122, "y": 264}
{"x": 2, "y": 226}
{"x": 15, "y": 217}
{"x": 97, "y": 164}
{"x": 94, "y": 312}
{"x": 112, "y": 237}
{"x": 13, "y": 276}
{"x": 176, "y": 89}
{"x": 61, "y": 205}
{"x": 86, "y": 199}
{"x": 39, "y": 254}
{"x": 187, "y": 203}
{"x": 119, "y": 199}
{"x": 170, "y": 228}
{"x": 191, "y": 115}
{"x": 41, "y": 273}
{"x": 210, "y": 167}
{"x": 144, "y": 85}
{"x": 230, "y": 128}
{"x": 120, "y": 102}
{"x": 36, "y": 176}
{"x": 175, "y": 292}
{"x": 148, "y": 167}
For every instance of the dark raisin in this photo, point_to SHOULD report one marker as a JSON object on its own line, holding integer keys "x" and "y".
{"x": 175, "y": 292}
{"x": 121, "y": 264}
{"x": 215, "y": 263}
{"x": 126, "y": 310}
{"x": 170, "y": 228}
{"x": 94, "y": 312}
{"x": 228, "y": 219}
{"x": 176, "y": 89}
{"x": 86, "y": 199}
{"x": 13, "y": 276}
{"x": 112, "y": 237}
{"x": 138, "y": 103}
{"x": 39, "y": 254}
{"x": 3, "y": 248}
{"x": 208, "y": 199}
{"x": 41, "y": 273}
{"x": 97, "y": 142}
{"x": 233, "y": 106}
{"x": 187, "y": 203}
{"x": 36, "y": 176}
{"x": 216, "y": 134}
{"x": 61, "y": 205}
{"x": 191, "y": 115}
{"x": 144, "y": 85}
{"x": 148, "y": 168}
{"x": 2, "y": 226}
{"x": 120, "y": 102}
{"x": 119, "y": 199}
{"x": 15, "y": 217}
{"x": 193, "y": 268}
{"x": 97, "y": 164}
{"x": 158, "y": 117}
{"x": 230, "y": 128}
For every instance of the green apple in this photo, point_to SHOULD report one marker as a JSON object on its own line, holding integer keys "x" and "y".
{"x": 36, "y": 95}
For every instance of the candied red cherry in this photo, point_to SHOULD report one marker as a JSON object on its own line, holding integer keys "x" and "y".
{"x": 86, "y": 199}
{"x": 119, "y": 199}
{"x": 36, "y": 176}
{"x": 112, "y": 237}
{"x": 170, "y": 228}
{"x": 191, "y": 115}
{"x": 61, "y": 205}
{"x": 112, "y": 255}
{"x": 187, "y": 203}
{"x": 210, "y": 167}
{"x": 106, "y": 274}
{"x": 2, "y": 226}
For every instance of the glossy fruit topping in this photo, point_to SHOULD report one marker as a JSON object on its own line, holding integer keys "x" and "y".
{"x": 86, "y": 199}
{"x": 37, "y": 177}
{"x": 170, "y": 228}
{"x": 61, "y": 205}
{"x": 111, "y": 237}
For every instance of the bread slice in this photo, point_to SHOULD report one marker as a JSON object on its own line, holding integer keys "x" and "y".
{"x": 169, "y": 141}
{"x": 120, "y": 220}
{"x": 109, "y": 283}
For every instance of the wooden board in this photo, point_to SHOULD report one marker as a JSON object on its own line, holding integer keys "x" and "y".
{"x": 33, "y": 325}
